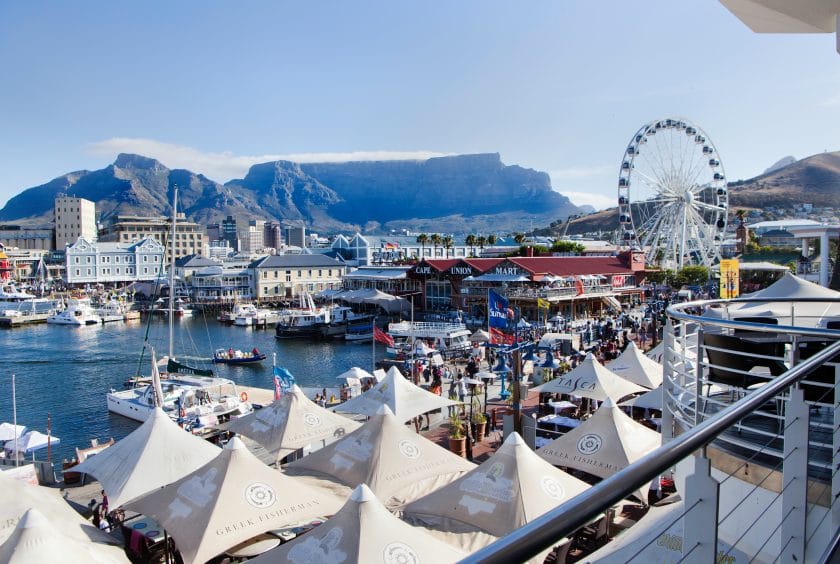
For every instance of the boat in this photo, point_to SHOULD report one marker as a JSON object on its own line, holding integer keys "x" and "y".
{"x": 113, "y": 310}
{"x": 362, "y": 334}
{"x": 319, "y": 322}
{"x": 82, "y": 454}
{"x": 230, "y": 356}
{"x": 248, "y": 315}
{"x": 413, "y": 338}
{"x": 78, "y": 312}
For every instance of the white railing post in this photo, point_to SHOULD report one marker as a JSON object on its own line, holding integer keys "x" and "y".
{"x": 795, "y": 477}
{"x": 700, "y": 524}
{"x": 668, "y": 377}
{"x": 835, "y": 480}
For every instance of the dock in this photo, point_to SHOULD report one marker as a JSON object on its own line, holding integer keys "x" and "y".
{"x": 23, "y": 319}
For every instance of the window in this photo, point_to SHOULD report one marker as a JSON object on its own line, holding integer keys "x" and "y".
{"x": 77, "y": 272}
{"x": 320, "y": 272}
{"x": 288, "y": 278}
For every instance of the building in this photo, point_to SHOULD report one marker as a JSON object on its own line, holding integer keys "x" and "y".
{"x": 273, "y": 235}
{"x": 296, "y": 236}
{"x": 74, "y": 218}
{"x": 285, "y": 277}
{"x": 32, "y": 239}
{"x": 185, "y": 267}
{"x": 110, "y": 263}
{"x": 222, "y": 284}
{"x": 190, "y": 238}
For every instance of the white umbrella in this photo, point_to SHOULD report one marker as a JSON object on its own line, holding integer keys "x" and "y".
{"x": 591, "y": 379}
{"x": 292, "y": 422}
{"x": 650, "y": 400}
{"x": 480, "y": 336}
{"x": 355, "y": 373}
{"x": 398, "y": 464}
{"x": 511, "y": 488}
{"x": 634, "y": 366}
{"x": 229, "y": 500}
{"x": 157, "y": 453}
{"x": 602, "y": 445}
{"x": 364, "y": 531}
{"x": 35, "y": 539}
{"x": 8, "y": 431}
{"x": 31, "y": 441}
{"x": 405, "y": 399}
{"x": 379, "y": 374}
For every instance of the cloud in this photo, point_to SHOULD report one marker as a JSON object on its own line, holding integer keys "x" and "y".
{"x": 225, "y": 166}
{"x": 597, "y": 201}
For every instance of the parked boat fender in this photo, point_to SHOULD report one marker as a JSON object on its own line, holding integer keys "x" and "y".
{"x": 243, "y": 396}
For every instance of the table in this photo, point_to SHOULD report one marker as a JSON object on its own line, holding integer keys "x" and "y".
{"x": 146, "y": 526}
{"x": 560, "y": 406}
{"x": 254, "y": 547}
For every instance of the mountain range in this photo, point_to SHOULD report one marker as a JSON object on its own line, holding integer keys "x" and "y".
{"x": 444, "y": 194}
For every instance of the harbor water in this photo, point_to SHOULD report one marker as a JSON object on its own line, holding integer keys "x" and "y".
{"x": 64, "y": 372}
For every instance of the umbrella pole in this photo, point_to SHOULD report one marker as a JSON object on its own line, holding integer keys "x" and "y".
{"x": 14, "y": 415}
{"x": 166, "y": 546}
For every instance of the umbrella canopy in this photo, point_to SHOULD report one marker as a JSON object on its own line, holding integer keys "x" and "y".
{"x": 590, "y": 379}
{"x": 155, "y": 454}
{"x": 17, "y": 497}
{"x": 8, "y": 431}
{"x": 292, "y": 422}
{"x": 602, "y": 445}
{"x": 398, "y": 464}
{"x": 786, "y": 288}
{"x": 405, "y": 399}
{"x": 229, "y": 500}
{"x": 634, "y": 366}
{"x": 31, "y": 441}
{"x": 364, "y": 531}
{"x": 35, "y": 539}
{"x": 480, "y": 336}
{"x": 355, "y": 373}
{"x": 379, "y": 374}
{"x": 508, "y": 490}
{"x": 650, "y": 400}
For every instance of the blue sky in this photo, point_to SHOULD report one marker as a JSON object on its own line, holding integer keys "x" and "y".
{"x": 559, "y": 86}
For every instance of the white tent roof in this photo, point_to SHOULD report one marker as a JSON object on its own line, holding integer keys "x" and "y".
{"x": 8, "y": 431}
{"x": 635, "y": 367}
{"x": 157, "y": 453}
{"x": 398, "y": 464}
{"x": 364, "y": 531}
{"x": 508, "y": 490}
{"x": 602, "y": 445}
{"x": 17, "y": 497}
{"x": 292, "y": 422}
{"x": 790, "y": 286}
{"x": 480, "y": 336}
{"x": 590, "y": 379}
{"x": 650, "y": 400}
{"x": 403, "y": 398}
{"x": 807, "y": 314}
{"x": 355, "y": 372}
{"x": 35, "y": 539}
{"x": 31, "y": 441}
{"x": 229, "y": 500}
{"x": 379, "y": 374}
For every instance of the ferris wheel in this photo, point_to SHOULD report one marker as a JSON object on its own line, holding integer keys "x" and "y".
{"x": 672, "y": 197}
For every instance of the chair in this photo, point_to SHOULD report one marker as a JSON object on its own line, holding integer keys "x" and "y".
{"x": 822, "y": 375}
{"x": 730, "y": 352}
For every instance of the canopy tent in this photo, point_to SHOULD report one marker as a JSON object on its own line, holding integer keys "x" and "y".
{"x": 785, "y": 312}
{"x": 355, "y": 373}
{"x": 657, "y": 353}
{"x": 590, "y": 379}
{"x": 31, "y": 441}
{"x": 379, "y": 374}
{"x": 9, "y": 431}
{"x": 35, "y": 539}
{"x": 602, "y": 445}
{"x": 650, "y": 400}
{"x": 155, "y": 454}
{"x": 17, "y": 497}
{"x": 480, "y": 336}
{"x": 389, "y": 303}
{"x": 757, "y": 266}
{"x": 405, "y": 400}
{"x": 523, "y": 324}
{"x": 364, "y": 531}
{"x": 511, "y": 488}
{"x": 398, "y": 464}
{"x": 635, "y": 367}
{"x": 292, "y": 422}
{"x": 229, "y": 500}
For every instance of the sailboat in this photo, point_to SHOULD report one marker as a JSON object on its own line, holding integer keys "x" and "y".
{"x": 191, "y": 395}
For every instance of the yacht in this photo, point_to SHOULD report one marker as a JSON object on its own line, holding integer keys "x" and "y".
{"x": 249, "y": 314}
{"x": 421, "y": 337}
{"x": 113, "y": 310}
{"x": 78, "y": 312}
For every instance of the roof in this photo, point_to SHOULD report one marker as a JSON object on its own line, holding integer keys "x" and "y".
{"x": 569, "y": 266}
{"x": 195, "y": 261}
{"x": 295, "y": 261}
{"x": 378, "y": 273}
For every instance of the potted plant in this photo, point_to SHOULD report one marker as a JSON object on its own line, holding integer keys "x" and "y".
{"x": 479, "y": 419}
{"x": 457, "y": 439}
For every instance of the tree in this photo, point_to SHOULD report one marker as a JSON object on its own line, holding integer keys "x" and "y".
{"x": 693, "y": 275}
{"x": 436, "y": 240}
{"x": 519, "y": 238}
{"x": 448, "y": 242}
{"x": 471, "y": 241}
{"x": 482, "y": 240}
{"x": 563, "y": 246}
{"x": 491, "y": 239}
{"x": 422, "y": 239}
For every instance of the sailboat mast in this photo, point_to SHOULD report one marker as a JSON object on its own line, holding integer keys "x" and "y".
{"x": 172, "y": 274}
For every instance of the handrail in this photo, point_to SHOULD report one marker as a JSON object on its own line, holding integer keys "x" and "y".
{"x": 546, "y": 530}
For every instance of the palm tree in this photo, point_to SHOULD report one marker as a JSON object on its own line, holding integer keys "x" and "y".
{"x": 436, "y": 240}
{"x": 422, "y": 239}
{"x": 448, "y": 242}
{"x": 482, "y": 240}
{"x": 471, "y": 241}
{"x": 519, "y": 238}
{"x": 491, "y": 239}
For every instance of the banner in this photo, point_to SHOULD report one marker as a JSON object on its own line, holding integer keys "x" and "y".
{"x": 499, "y": 337}
{"x": 729, "y": 278}
{"x": 497, "y": 310}
{"x": 579, "y": 285}
{"x": 382, "y": 337}
{"x": 543, "y": 304}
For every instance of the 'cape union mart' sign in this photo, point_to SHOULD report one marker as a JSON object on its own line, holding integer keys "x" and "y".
{"x": 507, "y": 271}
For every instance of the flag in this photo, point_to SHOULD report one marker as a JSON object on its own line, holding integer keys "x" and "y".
{"x": 578, "y": 285}
{"x": 277, "y": 391}
{"x": 382, "y": 337}
{"x": 543, "y": 304}
{"x": 282, "y": 379}
{"x": 499, "y": 337}
{"x": 497, "y": 310}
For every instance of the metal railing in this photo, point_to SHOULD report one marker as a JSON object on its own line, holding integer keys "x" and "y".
{"x": 549, "y": 529}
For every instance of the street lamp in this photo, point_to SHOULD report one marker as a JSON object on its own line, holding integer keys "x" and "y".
{"x": 502, "y": 368}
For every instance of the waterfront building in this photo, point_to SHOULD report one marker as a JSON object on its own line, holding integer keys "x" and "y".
{"x": 108, "y": 263}
{"x": 389, "y": 279}
{"x": 190, "y": 238}
{"x": 40, "y": 239}
{"x": 74, "y": 218}
{"x": 222, "y": 284}
{"x": 186, "y": 266}
{"x": 288, "y": 276}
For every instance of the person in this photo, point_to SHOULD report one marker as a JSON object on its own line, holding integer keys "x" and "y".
{"x": 104, "y": 502}
{"x": 452, "y": 393}
{"x": 461, "y": 386}
{"x": 255, "y": 352}
{"x": 230, "y": 352}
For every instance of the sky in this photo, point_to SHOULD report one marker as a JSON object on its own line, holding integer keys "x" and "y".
{"x": 555, "y": 85}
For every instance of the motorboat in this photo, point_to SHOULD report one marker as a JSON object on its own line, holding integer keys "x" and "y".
{"x": 249, "y": 315}
{"x": 78, "y": 312}
{"x": 419, "y": 338}
{"x": 230, "y": 356}
{"x": 113, "y": 310}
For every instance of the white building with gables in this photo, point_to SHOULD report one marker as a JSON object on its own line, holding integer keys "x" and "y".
{"x": 111, "y": 263}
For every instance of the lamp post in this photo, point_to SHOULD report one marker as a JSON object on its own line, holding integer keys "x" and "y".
{"x": 502, "y": 368}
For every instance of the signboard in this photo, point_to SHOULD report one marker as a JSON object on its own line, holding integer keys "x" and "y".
{"x": 619, "y": 281}
{"x": 507, "y": 270}
{"x": 729, "y": 275}
{"x": 461, "y": 270}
